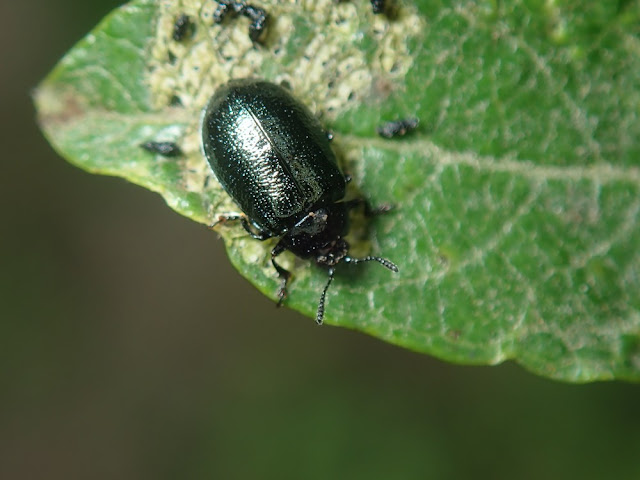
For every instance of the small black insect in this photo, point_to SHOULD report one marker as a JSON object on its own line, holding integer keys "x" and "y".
{"x": 183, "y": 28}
{"x": 166, "y": 149}
{"x": 258, "y": 16}
{"x": 274, "y": 159}
{"x": 397, "y": 128}
{"x": 379, "y": 6}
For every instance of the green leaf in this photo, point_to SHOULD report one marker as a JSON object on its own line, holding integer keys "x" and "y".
{"x": 516, "y": 227}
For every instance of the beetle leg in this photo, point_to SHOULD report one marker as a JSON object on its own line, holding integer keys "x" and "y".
{"x": 255, "y": 233}
{"x": 282, "y": 273}
{"x": 320, "y": 313}
{"x": 222, "y": 219}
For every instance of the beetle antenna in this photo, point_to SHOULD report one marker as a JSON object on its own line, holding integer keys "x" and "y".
{"x": 387, "y": 263}
{"x": 320, "y": 314}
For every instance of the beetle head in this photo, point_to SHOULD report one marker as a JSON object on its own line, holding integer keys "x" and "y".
{"x": 319, "y": 234}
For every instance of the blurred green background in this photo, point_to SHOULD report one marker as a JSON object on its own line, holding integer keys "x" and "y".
{"x": 130, "y": 349}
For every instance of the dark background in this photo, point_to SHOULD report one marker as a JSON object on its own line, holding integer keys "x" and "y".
{"x": 130, "y": 349}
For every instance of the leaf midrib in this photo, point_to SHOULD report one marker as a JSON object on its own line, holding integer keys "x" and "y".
{"x": 600, "y": 173}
